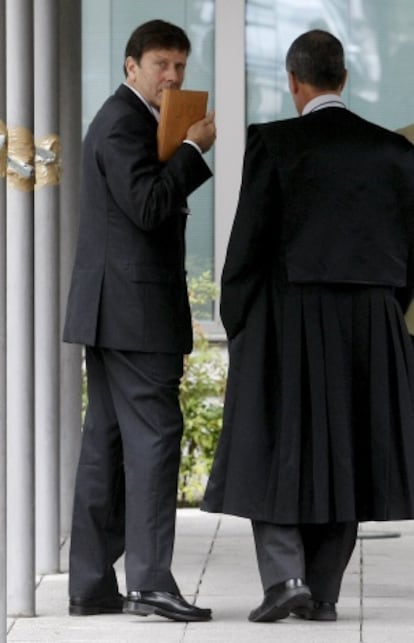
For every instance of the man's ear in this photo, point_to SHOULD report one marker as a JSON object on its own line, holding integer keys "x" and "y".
{"x": 342, "y": 85}
{"x": 130, "y": 66}
{"x": 293, "y": 83}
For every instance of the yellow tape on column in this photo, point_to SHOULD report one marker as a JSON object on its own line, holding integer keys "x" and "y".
{"x": 3, "y": 149}
{"x": 47, "y": 161}
{"x": 20, "y": 162}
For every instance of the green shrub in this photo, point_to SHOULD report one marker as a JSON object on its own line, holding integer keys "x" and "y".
{"x": 202, "y": 393}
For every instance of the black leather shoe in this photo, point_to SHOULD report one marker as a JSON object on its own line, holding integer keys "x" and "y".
{"x": 317, "y": 611}
{"x": 280, "y": 600}
{"x": 90, "y": 606}
{"x": 172, "y": 606}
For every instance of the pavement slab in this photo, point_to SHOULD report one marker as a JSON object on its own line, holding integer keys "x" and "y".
{"x": 215, "y": 566}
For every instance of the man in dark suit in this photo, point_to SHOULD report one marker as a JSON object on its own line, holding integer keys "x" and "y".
{"x": 128, "y": 305}
{"x": 318, "y": 428}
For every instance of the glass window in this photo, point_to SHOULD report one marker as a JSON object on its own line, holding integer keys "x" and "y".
{"x": 378, "y": 37}
{"x": 106, "y": 27}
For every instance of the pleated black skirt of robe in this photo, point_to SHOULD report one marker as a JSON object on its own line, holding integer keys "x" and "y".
{"x": 319, "y": 412}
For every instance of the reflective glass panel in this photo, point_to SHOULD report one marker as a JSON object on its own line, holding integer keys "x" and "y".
{"x": 378, "y": 37}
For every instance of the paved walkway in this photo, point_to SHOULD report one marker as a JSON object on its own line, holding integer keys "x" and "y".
{"x": 215, "y": 563}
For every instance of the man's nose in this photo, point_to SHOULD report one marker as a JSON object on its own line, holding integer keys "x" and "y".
{"x": 172, "y": 75}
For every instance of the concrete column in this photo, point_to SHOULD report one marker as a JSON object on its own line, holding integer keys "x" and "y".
{"x": 3, "y": 439}
{"x": 70, "y": 129}
{"x": 47, "y": 345}
{"x": 229, "y": 147}
{"x": 20, "y": 424}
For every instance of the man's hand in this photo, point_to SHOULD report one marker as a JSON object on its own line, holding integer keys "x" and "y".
{"x": 203, "y": 133}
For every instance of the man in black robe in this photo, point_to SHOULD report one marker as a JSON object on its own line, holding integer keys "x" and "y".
{"x": 318, "y": 430}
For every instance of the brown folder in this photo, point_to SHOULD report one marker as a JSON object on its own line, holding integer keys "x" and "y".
{"x": 180, "y": 108}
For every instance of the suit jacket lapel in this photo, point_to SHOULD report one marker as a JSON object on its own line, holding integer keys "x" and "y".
{"x": 132, "y": 99}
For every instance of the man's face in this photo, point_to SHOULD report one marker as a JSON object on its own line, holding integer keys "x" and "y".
{"x": 158, "y": 69}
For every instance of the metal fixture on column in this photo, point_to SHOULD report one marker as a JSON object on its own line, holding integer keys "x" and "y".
{"x": 70, "y": 131}
{"x": 3, "y": 440}
{"x": 46, "y": 286}
{"x": 20, "y": 424}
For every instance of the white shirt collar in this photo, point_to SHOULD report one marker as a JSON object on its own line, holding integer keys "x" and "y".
{"x": 322, "y": 101}
{"x": 154, "y": 111}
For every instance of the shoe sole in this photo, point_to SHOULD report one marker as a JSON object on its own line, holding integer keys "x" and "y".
{"x": 321, "y": 617}
{"x": 279, "y": 612}
{"x": 76, "y": 610}
{"x": 147, "y": 610}
{"x": 310, "y": 615}
{"x": 301, "y": 612}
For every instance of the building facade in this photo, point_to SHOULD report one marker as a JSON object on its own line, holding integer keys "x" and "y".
{"x": 59, "y": 60}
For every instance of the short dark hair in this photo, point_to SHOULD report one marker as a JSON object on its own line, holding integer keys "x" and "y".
{"x": 156, "y": 34}
{"x": 317, "y": 58}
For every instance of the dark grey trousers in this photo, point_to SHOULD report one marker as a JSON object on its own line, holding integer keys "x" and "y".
{"x": 318, "y": 554}
{"x": 126, "y": 485}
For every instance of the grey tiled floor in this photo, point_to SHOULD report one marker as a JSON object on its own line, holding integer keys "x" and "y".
{"x": 215, "y": 563}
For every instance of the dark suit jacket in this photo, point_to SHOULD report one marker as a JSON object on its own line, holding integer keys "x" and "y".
{"x": 326, "y": 198}
{"x": 128, "y": 289}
